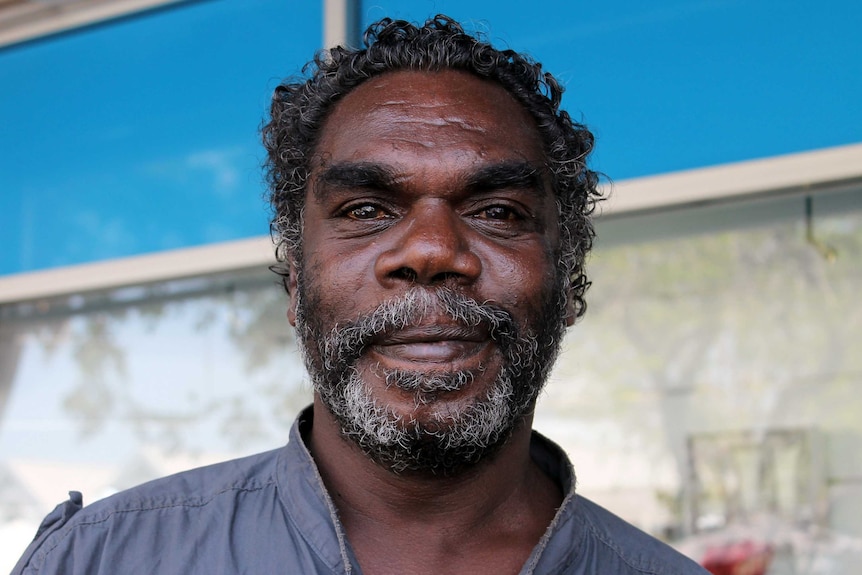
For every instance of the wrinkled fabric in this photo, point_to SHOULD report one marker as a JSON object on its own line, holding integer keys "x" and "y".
{"x": 270, "y": 513}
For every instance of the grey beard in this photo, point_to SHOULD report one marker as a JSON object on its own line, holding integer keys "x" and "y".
{"x": 427, "y": 385}
{"x": 449, "y": 442}
{"x": 452, "y": 440}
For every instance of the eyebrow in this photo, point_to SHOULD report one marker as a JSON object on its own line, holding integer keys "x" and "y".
{"x": 506, "y": 174}
{"x": 356, "y": 175}
{"x": 510, "y": 174}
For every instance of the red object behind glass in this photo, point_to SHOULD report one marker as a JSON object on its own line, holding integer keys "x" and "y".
{"x": 738, "y": 558}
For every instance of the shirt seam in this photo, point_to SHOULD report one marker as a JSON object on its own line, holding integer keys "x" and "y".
{"x": 115, "y": 512}
{"x": 600, "y": 536}
{"x": 303, "y": 457}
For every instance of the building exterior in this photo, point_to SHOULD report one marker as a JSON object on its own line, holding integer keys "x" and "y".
{"x": 712, "y": 394}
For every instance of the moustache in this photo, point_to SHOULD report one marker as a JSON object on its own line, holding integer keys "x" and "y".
{"x": 414, "y": 308}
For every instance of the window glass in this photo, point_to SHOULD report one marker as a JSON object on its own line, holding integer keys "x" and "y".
{"x": 103, "y": 392}
{"x": 712, "y": 394}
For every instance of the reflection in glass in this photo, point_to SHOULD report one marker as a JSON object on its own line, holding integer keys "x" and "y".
{"x": 105, "y": 391}
{"x": 712, "y": 393}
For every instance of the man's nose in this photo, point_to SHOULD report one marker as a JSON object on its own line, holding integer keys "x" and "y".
{"x": 433, "y": 247}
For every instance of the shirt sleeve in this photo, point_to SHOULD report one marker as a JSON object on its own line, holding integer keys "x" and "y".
{"x": 52, "y": 522}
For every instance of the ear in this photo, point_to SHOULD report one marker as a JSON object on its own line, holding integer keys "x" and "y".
{"x": 292, "y": 296}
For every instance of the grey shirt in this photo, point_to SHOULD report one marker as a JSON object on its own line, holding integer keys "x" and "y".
{"x": 270, "y": 513}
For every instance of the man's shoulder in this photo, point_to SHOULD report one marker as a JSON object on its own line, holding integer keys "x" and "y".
{"x": 174, "y": 503}
{"x": 607, "y": 535}
{"x": 194, "y": 487}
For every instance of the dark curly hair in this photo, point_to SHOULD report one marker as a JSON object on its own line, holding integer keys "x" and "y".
{"x": 300, "y": 107}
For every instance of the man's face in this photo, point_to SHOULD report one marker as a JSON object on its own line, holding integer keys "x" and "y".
{"x": 427, "y": 299}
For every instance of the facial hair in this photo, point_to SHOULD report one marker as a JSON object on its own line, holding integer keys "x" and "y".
{"x": 446, "y": 443}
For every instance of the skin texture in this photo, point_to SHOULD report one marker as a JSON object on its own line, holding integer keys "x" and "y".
{"x": 430, "y": 179}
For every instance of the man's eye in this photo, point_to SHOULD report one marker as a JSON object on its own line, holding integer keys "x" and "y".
{"x": 366, "y": 212}
{"x": 500, "y": 213}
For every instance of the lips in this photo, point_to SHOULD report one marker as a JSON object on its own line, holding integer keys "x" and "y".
{"x": 432, "y": 343}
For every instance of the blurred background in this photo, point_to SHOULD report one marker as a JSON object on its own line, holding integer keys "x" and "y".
{"x": 712, "y": 395}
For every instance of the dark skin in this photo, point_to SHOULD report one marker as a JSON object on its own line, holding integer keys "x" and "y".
{"x": 428, "y": 179}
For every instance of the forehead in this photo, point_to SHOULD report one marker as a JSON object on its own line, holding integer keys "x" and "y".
{"x": 420, "y": 117}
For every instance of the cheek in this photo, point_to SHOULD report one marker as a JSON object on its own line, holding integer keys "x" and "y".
{"x": 339, "y": 285}
{"x": 520, "y": 278}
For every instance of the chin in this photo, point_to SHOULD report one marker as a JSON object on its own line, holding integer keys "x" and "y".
{"x": 436, "y": 397}
{"x": 440, "y": 437}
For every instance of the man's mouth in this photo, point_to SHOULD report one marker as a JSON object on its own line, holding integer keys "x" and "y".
{"x": 432, "y": 344}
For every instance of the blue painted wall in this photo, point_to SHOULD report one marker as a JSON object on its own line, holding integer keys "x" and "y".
{"x": 678, "y": 84}
{"x": 141, "y": 135}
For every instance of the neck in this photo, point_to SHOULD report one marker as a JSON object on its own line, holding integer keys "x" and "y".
{"x": 504, "y": 496}
{"x": 347, "y": 470}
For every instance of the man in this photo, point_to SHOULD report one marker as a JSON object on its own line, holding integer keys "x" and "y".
{"x": 432, "y": 219}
